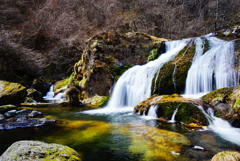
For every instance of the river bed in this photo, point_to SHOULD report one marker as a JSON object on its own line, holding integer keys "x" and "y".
{"x": 120, "y": 136}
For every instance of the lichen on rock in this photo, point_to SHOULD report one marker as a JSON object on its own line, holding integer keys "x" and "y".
{"x": 12, "y": 93}
{"x": 107, "y": 56}
{"x": 39, "y": 151}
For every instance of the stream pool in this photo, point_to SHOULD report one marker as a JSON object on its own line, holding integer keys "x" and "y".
{"x": 120, "y": 136}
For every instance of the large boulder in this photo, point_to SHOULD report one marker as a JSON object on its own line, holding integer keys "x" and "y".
{"x": 12, "y": 93}
{"x": 36, "y": 150}
{"x": 107, "y": 56}
{"x": 187, "y": 113}
{"x": 226, "y": 103}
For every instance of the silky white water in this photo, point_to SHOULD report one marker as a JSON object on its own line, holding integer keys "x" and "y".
{"x": 50, "y": 96}
{"x": 134, "y": 85}
{"x": 173, "y": 116}
{"x": 222, "y": 127}
{"x": 213, "y": 69}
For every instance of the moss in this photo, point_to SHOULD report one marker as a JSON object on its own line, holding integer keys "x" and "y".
{"x": 117, "y": 71}
{"x": 83, "y": 82}
{"x": 236, "y": 105}
{"x": 163, "y": 80}
{"x": 227, "y": 156}
{"x": 154, "y": 54}
{"x": 101, "y": 101}
{"x": 222, "y": 92}
{"x": 65, "y": 82}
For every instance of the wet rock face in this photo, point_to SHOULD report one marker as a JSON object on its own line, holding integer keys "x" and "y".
{"x": 12, "y": 93}
{"x": 107, "y": 56}
{"x": 172, "y": 76}
{"x": 36, "y": 150}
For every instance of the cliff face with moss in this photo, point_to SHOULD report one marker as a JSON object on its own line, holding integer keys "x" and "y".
{"x": 107, "y": 56}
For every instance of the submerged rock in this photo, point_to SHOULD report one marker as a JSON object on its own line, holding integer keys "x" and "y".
{"x": 188, "y": 112}
{"x": 38, "y": 151}
{"x": 153, "y": 143}
{"x": 12, "y": 93}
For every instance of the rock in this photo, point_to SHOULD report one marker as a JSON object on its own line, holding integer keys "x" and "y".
{"x": 38, "y": 151}
{"x": 188, "y": 113}
{"x": 227, "y": 156}
{"x": 35, "y": 95}
{"x": 42, "y": 85}
{"x": 226, "y": 104}
{"x": 163, "y": 81}
{"x": 107, "y": 56}
{"x": 6, "y": 108}
{"x": 22, "y": 112}
{"x": 12, "y": 93}
{"x": 96, "y": 101}
{"x": 2, "y": 117}
{"x": 10, "y": 113}
{"x": 35, "y": 114}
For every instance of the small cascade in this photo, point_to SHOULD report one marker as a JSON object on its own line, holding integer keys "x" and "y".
{"x": 221, "y": 127}
{"x": 50, "y": 93}
{"x": 134, "y": 85}
{"x": 50, "y": 96}
{"x": 173, "y": 116}
{"x": 152, "y": 112}
{"x": 213, "y": 69}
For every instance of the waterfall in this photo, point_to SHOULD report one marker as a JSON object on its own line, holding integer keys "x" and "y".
{"x": 152, "y": 112}
{"x": 134, "y": 85}
{"x": 50, "y": 96}
{"x": 222, "y": 127}
{"x": 173, "y": 116}
{"x": 213, "y": 69}
{"x": 50, "y": 93}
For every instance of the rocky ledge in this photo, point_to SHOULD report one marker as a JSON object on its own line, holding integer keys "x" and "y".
{"x": 12, "y": 117}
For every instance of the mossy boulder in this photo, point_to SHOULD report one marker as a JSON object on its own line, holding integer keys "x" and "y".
{"x": 107, "y": 56}
{"x": 227, "y": 156}
{"x": 12, "y": 93}
{"x": 96, "y": 101}
{"x": 188, "y": 112}
{"x": 172, "y": 76}
{"x": 34, "y": 95}
{"x": 226, "y": 104}
{"x": 39, "y": 151}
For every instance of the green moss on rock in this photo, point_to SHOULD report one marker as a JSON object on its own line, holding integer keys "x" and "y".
{"x": 227, "y": 156}
{"x": 176, "y": 70}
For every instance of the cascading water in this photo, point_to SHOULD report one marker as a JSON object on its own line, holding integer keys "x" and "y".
{"x": 134, "y": 85}
{"x": 50, "y": 96}
{"x": 173, "y": 116}
{"x": 221, "y": 127}
{"x": 213, "y": 69}
{"x": 152, "y": 112}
